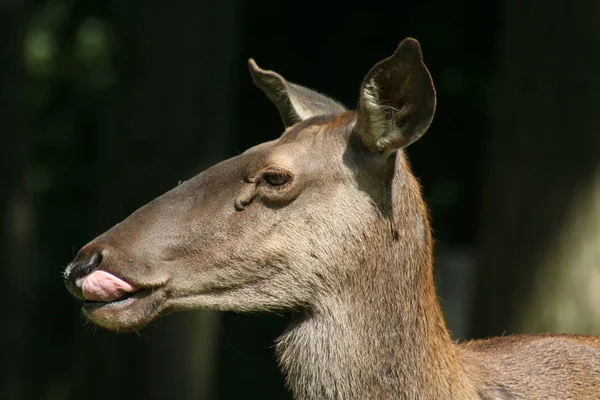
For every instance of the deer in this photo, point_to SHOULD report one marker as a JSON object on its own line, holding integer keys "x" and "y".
{"x": 326, "y": 222}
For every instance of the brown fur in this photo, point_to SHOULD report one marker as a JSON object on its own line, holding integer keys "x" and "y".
{"x": 345, "y": 244}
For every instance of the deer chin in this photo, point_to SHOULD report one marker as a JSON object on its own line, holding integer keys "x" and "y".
{"x": 132, "y": 312}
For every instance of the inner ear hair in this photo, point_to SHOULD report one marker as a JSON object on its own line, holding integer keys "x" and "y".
{"x": 397, "y": 100}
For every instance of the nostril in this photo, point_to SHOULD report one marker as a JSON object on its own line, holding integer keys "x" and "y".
{"x": 85, "y": 265}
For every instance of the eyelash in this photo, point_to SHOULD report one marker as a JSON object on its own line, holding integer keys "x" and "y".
{"x": 282, "y": 176}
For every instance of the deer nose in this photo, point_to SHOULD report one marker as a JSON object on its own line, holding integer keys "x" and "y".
{"x": 86, "y": 261}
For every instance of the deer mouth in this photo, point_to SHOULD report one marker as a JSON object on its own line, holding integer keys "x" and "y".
{"x": 114, "y": 303}
{"x": 121, "y": 301}
{"x": 104, "y": 287}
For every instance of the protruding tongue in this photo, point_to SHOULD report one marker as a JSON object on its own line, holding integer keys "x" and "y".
{"x": 104, "y": 287}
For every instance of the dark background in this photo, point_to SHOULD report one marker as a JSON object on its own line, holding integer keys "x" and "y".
{"x": 106, "y": 104}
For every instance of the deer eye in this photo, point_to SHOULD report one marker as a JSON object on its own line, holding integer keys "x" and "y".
{"x": 273, "y": 177}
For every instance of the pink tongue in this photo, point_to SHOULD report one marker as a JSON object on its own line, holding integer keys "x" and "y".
{"x": 105, "y": 287}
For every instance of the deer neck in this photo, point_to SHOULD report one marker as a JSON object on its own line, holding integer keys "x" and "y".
{"x": 384, "y": 335}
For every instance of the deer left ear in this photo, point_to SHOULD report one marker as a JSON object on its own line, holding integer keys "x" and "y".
{"x": 397, "y": 100}
{"x": 294, "y": 102}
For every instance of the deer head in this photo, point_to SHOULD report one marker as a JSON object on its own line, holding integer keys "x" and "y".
{"x": 285, "y": 225}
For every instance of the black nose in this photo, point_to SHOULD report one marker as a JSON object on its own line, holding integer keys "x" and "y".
{"x": 84, "y": 263}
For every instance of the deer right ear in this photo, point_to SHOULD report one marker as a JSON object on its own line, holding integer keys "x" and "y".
{"x": 294, "y": 102}
{"x": 397, "y": 100}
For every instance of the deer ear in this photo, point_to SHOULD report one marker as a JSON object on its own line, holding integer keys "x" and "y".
{"x": 294, "y": 102}
{"x": 397, "y": 100}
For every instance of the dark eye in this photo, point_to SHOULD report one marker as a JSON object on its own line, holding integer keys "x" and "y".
{"x": 275, "y": 177}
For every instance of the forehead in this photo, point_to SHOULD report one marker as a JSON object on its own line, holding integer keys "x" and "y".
{"x": 321, "y": 131}
{"x": 319, "y": 138}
